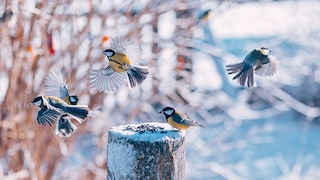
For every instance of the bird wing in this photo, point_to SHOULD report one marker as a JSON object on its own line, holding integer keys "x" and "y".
{"x": 127, "y": 47}
{"x": 267, "y": 69}
{"x": 107, "y": 79}
{"x": 48, "y": 105}
{"x": 47, "y": 116}
{"x": 55, "y": 84}
{"x": 183, "y": 119}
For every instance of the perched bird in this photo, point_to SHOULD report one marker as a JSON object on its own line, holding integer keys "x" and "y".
{"x": 52, "y": 107}
{"x": 55, "y": 85}
{"x": 120, "y": 67}
{"x": 178, "y": 120}
{"x": 258, "y": 61}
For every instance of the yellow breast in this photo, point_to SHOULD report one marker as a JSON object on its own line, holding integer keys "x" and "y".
{"x": 66, "y": 99}
{"x": 177, "y": 125}
{"x": 119, "y": 62}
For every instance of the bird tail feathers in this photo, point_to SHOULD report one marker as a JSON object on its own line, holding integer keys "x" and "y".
{"x": 244, "y": 74}
{"x": 65, "y": 127}
{"x": 234, "y": 68}
{"x": 137, "y": 74}
{"x": 80, "y": 113}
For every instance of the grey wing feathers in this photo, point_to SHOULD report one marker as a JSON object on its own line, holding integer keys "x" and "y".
{"x": 106, "y": 79}
{"x": 268, "y": 69}
{"x": 47, "y": 116}
{"x": 55, "y": 84}
{"x": 191, "y": 122}
{"x": 127, "y": 47}
{"x": 184, "y": 119}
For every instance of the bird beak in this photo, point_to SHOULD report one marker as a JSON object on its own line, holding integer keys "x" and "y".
{"x": 160, "y": 112}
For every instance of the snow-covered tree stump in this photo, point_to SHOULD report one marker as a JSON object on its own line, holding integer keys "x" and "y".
{"x": 146, "y": 151}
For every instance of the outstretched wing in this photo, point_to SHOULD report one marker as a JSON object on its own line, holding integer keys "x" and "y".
{"x": 47, "y": 116}
{"x": 55, "y": 84}
{"x": 268, "y": 69}
{"x": 127, "y": 47}
{"x": 107, "y": 79}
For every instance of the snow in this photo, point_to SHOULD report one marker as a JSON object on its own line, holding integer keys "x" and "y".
{"x": 157, "y": 133}
{"x": 125, "y": 158}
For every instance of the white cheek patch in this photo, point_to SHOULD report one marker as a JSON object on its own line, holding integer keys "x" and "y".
{"x": 37, "y": 103}
{"x": 266, "y": 51}
{"x": 169, "y": 112}
{"x": 73, "y": 100}
{"x": 109, "y": 53}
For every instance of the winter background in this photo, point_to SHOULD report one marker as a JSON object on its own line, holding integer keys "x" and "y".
{"x": 269, "y": 132}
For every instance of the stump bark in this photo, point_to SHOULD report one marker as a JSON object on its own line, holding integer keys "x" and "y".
{"x": 146, "y": 151}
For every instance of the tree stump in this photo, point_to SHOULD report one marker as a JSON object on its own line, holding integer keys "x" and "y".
{"x": 146, "y": 151}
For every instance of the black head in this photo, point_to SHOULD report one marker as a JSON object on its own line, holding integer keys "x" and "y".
{"x": 167, "y": 111}
{"x": 73, "y": 100}
{"x": 108, "y": 52}
{"x": 38, "y": 101}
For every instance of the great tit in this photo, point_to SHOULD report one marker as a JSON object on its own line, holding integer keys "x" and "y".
{"x": 120, "y": 68}
{"x": 52, "y": 107}
{"x": 178, "y": 120}
{"x": 55, "y": 85}
{"x": 259, "y": 61}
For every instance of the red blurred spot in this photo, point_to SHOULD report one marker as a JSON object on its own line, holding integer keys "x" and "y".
{"x": 52, "y": 51}
{"x": 50, "y": 43}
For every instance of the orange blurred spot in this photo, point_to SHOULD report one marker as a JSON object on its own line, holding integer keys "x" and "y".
{"x": 104, "y": 39}
{"x": 29, "y": 49}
